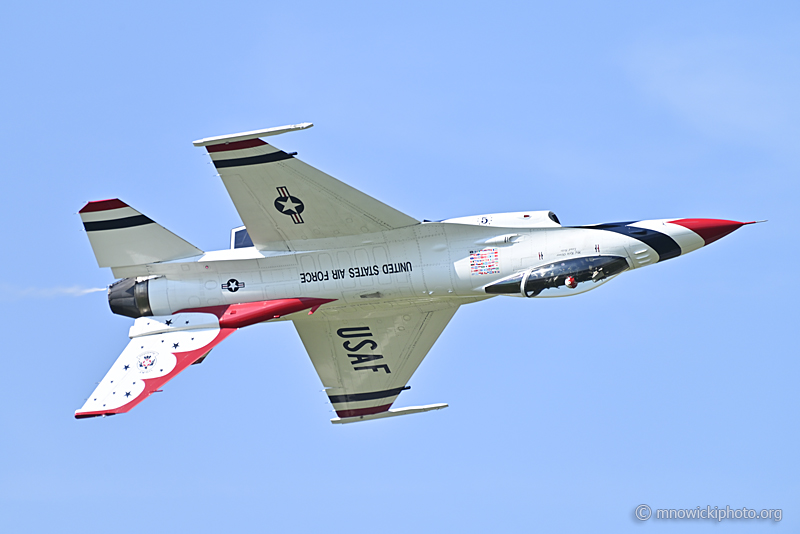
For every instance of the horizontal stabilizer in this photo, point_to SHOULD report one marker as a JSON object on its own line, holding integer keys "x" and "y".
{"x": 160, "y": 348}
{"x": 122, "y": 236}
{"x": 389, "y": 413}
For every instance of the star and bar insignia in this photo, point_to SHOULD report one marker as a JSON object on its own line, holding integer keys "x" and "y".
{"x": 233, "y": 285}
{"x": 289, "y": 205}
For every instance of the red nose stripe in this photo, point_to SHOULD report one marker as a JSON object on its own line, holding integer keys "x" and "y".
{"x": 709, "y": 229}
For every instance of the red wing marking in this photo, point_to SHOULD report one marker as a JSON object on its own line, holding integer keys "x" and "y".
{"x": 230, "y": 318}
{"x": 240, "y": 315}
{"x": 152, "y": 385}
{"x": 236, "y": 145}
{"x": 363, "y": 411}
{"x": 103, "y": 205}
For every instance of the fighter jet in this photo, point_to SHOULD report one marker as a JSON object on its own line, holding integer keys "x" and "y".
{"x": 368, "y": 288}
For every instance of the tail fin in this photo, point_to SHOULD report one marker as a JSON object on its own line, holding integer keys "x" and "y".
{"x": 121, "y": 236}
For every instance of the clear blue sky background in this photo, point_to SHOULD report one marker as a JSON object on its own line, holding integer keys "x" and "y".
{"x": 674, "y": 385}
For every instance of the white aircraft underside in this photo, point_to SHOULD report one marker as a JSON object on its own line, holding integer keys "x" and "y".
{"x": 368, "y": 288}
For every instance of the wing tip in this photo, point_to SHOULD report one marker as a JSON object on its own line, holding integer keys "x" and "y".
{"x": 88, "y": 415}
{"x": 253, "y": 134}
{"x": 103, "y": 205}
{"x": 389, "y": 413}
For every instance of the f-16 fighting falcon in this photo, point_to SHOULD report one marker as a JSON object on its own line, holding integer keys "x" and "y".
{"x": 368, "y": 288}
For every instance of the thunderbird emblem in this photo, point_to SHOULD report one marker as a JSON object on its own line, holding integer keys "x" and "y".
{"x": 146, "y": 361}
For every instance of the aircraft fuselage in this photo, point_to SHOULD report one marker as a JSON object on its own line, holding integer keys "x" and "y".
{"x": 435, "y": 259}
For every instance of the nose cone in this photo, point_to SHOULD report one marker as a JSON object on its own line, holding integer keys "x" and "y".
{"x": 710, "y": 229}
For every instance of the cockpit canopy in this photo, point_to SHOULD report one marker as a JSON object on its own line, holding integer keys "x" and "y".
{"x": 240, "y": 238}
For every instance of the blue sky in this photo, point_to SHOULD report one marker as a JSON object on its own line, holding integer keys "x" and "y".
{"x": 673, "y": 386}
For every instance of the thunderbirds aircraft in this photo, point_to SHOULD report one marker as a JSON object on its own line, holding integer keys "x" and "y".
{"x": 368, "y": 288}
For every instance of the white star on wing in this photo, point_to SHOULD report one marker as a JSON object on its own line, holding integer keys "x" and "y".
{"x": 288, "y": 205}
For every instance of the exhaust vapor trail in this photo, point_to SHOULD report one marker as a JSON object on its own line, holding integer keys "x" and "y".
{"x": 13, "y": 292}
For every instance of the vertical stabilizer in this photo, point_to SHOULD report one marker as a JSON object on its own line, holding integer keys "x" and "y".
{"x": 121, "y": 236}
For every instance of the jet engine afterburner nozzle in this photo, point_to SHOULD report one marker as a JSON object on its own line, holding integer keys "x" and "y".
{"x": 129, "y": 298}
